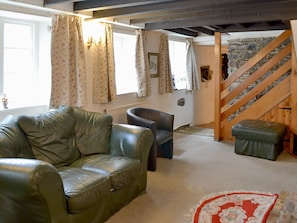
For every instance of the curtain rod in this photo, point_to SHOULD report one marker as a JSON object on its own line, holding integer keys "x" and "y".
{"x": 31, "y": 9}
{"x": 116, "y": 23}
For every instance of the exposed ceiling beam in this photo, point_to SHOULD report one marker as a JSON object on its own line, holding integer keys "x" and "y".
{"x": 109, "y": 7}
{"x": 203, "y": 30}
{"x": 228, "y": 18}
{"x": 185, "y": 32}
{"x": 159, "y": 7}
{"x": 191, "y": 17}
{"x": 251, "y": 27}
{"x": 49, "y": 2}
{"x": 205, "y": 10}
{"x": 113, "y": 4}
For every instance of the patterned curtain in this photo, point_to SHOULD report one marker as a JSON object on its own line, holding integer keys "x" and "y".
{"x": 193, "y": 82}
{"x": 142, "y": 65}
{"x": 165, "y": 76}
{"x": 104, "y": 88}
{"x": 68, "y": 62}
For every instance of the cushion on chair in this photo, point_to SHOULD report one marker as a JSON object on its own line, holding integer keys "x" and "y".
{"x": 51, "y": 135}
{"x": 83, "y": 188}
{"x": 13, "y": 142}
{"x": 122, "y": 170}
{"x": 92, "y": 131}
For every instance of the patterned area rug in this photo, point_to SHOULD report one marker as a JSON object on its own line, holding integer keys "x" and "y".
{"x": 195, "y": 130}
{"x": 234, "y": 207}
{"x": 285, "y": 209}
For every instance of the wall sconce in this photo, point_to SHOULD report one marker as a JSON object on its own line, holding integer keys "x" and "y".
{"x": 90, "y": 42}
{"x": 93, "y": 32}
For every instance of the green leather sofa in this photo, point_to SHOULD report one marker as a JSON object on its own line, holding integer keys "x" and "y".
{"x": 69, "y": 165}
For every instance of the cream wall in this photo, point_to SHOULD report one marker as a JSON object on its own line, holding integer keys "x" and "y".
{"x": 165, "y": 102}
{"x": 204, "y": 98}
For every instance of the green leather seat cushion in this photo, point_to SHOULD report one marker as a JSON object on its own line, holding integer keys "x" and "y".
{"x": 121, "y": 170}
{"x": 258, "y": 130}
{"x": 83, "y": 188}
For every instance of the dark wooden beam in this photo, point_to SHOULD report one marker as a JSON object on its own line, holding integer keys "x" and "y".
{"x": 202, "y": 10}
{"x": 229, "y": 17}
{"x": 203, "y": 30}
{"x": 168, "y": 13}
{"x": 185, "y": 32}
{"x": 112, "y": 4}
{"x": 48, "y": 2}
{"x": 160, "y": 7}
{"x": 223, "y": 10}
{"x": 252, "y": 27}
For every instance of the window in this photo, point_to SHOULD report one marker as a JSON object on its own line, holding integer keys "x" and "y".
{"x": 24, "y": 66}
{"x": 125, "y": 71}
{"x": 177, "y": 53}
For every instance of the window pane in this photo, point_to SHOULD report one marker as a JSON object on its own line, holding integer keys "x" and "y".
{"x": 18, "y": 73}
{"x": 22, "y": 57}
{"x": 25, "y": 69}
{"x": 177, "y": 51}
{"x": 17, "y": 36}
{"x": 124, "y": 50}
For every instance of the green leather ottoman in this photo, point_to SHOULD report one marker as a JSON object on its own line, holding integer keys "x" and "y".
{"x": 258, "y": 138}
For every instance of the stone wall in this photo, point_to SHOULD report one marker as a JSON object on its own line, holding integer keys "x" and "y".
{"x": 239, "y": 52}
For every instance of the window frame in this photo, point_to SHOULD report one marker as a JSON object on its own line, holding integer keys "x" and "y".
{"x": 185, "y": 59}
{"x": 119, "y": 32}
{"x": 35, "y": 23}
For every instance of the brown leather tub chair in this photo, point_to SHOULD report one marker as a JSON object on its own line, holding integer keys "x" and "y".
{"x": 161, "y": 124}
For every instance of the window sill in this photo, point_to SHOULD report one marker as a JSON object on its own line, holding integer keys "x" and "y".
{"x": 22, "y": 111}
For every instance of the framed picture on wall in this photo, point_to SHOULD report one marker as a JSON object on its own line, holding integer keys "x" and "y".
{"x": 154, "y": 64}
{"x": 205, "y": 73}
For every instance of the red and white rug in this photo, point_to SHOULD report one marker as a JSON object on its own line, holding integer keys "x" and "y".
{"x": 235, "y": 207}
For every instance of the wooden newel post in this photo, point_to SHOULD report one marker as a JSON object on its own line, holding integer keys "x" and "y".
{"x": 218, "y": 80}
{"x": 293, "y": 126}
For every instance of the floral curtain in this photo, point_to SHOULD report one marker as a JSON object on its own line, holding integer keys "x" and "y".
{"x": 193, "y": 82}
{"x": 165, "y": 76}
{"x": 68, "y": 62}
{"x": 104, "y": 88}
{"x": 142, "y": 65}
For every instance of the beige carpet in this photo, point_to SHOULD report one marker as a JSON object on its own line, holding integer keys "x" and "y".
{"x": 195, "y": 130}
{"x": 201, "y": 166}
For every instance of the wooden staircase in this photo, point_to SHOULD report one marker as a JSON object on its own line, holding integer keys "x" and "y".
{"x": 278, "y": 103}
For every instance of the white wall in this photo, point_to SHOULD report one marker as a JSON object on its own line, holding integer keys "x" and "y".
{"x": 165, "y": 102}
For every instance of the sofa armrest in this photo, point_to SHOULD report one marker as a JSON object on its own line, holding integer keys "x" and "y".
{"x": 131, "y": 141}
{"x": 31, "y": 191}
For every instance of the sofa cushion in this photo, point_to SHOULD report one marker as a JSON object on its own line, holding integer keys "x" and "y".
{"x": 51, "y": 135}
{"x": 13, "y": 142}
{"x": 92, "y": 131}
{"x": 83, "y": 188}
{"x": 121, "y": 170}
